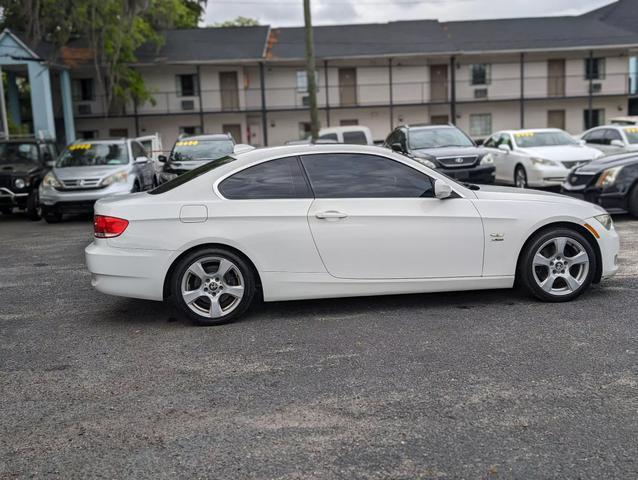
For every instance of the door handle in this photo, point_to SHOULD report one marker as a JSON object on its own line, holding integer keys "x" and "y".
{"x": 330, "y": 215}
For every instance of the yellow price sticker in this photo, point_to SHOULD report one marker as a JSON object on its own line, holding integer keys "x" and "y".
{"x": 524, "y": 134}
{"x": 631, "y": 130}
{"x": 80, "y": 146}
{"x": 186, "y": 143}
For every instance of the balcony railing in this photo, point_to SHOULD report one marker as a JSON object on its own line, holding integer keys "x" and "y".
{"x": 366, "y": 95}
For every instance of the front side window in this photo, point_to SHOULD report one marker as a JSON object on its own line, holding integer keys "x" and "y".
{"x": 275, "y": 179}
{"x": 611, "y": 134}
{"x": 94, "y": 155}
{"x": 15, "y": 152}
{"x": 543, "y": 139}
{"x": 138, "y": 150}
{"x": 491, "y": 142}
{"x": 480, "y": 73}
{"x": 200, "y": 150}
{"x": 434, "y": 137}
{"x": 480, "y": 124}
{"x": 329, "y": 136}
{"x": 350, "y": 175}
{"x": 357, "y": 138}
{"x": 595, "y": 136}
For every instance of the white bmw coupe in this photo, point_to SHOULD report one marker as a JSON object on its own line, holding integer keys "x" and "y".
{"x": 321, "y": 221}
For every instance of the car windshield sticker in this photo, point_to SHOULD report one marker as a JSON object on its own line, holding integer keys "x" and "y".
{"x": 186, "y": 143}
{"x": 524, "y": 134}
{"x": 80, "y": 146}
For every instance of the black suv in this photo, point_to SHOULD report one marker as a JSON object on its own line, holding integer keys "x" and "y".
{"x": 23, "y": 164}
{"x": 445, "y": 148}
{"x": 191, "y": 152}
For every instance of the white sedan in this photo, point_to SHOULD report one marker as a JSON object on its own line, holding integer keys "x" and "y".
{"x": 537, "y": 157}
{"x": 321, "y": 221}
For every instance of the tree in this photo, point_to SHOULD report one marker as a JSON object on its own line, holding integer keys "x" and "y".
{"x": 238, "y": 22}
{"x": 310, "y": 72}
{"x": 113, "y": 29}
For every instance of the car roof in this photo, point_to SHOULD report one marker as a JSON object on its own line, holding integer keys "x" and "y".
{"x": 428, "y": 125}
{"x": 309, "y": 149}
{"x": 532, "y": 130}
{"x": 348, "y": 128}
{"x": 210, "y": 136}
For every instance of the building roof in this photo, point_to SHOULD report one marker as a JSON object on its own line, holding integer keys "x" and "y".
{"x": 622, "y": 13}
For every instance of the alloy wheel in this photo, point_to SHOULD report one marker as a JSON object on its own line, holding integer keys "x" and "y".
{"x": 212, "y": 287}
{"x": 560, "y": 266}
{"x": 521, "y": 178}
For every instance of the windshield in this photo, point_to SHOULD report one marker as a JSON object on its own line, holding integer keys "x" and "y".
{"x": 188, "y": 176}
{"x": 437, "y": 137}
{"x": 15, "y": 152}
{"x": 93, "y": 155}
{"x": 200, "y": 150}
{"x": 543, "y": 139}
{"x": 632, "y": 135}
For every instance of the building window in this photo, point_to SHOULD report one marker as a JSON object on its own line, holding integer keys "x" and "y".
{"x": 88, "y": 134}
{"x": 118, "y": 132}
{"x": 304, "y": 130}
{"x": 597, "y": 118}
{"x": 83, "y": 89}
{"x": 480, "y": 124}
{"x": 349, "y": 122}
{"x": 594, "y": 68}
{"x": 480, "y": 73}
{"x": 191, "y": 130}
{"x": 302, "y": 81}
{"x": 186, "y": 85}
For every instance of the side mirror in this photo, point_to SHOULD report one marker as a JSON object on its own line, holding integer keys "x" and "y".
{"x": 50, "y": 163}
{"x": 583, "y": 142}
{"x": 397, "y": 147}
{"x": 441, "y": 189}
{"x": 162, "y": 158}
{"x": 504, "y": 147}
{"x": 617, "y": 143}
{"x": 141, "y": 160}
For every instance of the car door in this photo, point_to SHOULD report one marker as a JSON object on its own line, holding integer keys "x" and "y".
{"x": 374, "y": 217}
{"x": 512, "y": 158}
{"x": 146, "y": 170}
{"x": 611, "y": 135}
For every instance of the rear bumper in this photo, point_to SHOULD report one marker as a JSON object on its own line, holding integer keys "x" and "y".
{"x": 134, "y": 273}
{"x": 480, "y": 174}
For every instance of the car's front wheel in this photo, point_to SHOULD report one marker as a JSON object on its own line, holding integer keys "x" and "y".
{"x": 213, "y": 286}
{"x": 632, "y": 202}
{"x": 520, "y": 177}
{"x": 558, "y": 265}
{"x": 34, "y": 209}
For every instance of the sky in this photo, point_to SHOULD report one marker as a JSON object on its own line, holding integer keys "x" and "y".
{"x": 285, "y": 13}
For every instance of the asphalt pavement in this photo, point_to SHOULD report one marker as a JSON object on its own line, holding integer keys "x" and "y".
{"x": 476, "y": 385}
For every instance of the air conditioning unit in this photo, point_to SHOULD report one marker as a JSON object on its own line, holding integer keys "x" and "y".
{"x": 188, "y": 104}
{"x": 596, "y": 87}
{"x": 84, "y": 109}
{"x": 480, "y": 93}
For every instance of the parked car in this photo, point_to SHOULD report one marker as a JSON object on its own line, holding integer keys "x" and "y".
{"x": 628, "y": 120}
{"x": 88, "y": 170}
{"x": 324, "y": 221}
{"x": 23, "y": 164}
{"x": 611, "y": 182}
{"x": 154, "y": 149}
{"x": 191, "y": 152}
{"x": 611, "y": 139}
{"x": 536, "y": 157}
{"x": 445, "y": 148}
{"x": 353, "y": 134}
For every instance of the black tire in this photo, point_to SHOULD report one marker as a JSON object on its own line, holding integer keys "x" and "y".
{"x": 246, "y": 279}
{"x": 530, "y": 275}
{"x": 632, "y": 202}
{"x": 6, "y": 211}
{"x": 51, "y": 217}
{"x": 520, "y": 177}
{"x": 34, "y": 209}
{"x": 136, "y": 187}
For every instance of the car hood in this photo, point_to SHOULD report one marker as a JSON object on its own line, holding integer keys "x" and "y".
{"x": 561, "y": 153}
{"x": 609, "y": 162}
{"x": 72, "y": 173}
{"x": 494, "y": 192}
{"x": 448, "y": 151}
{"x": 18, "y": 168}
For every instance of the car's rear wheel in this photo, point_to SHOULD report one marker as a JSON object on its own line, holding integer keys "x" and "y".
{"x": 558, "y": 265}
{"x": 632, "y": 202}
{"x": 213, "y": 286}
{"x": 520, "y": 177}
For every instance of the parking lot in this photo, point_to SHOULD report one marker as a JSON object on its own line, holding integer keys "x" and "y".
{"x": 485, "y": 384}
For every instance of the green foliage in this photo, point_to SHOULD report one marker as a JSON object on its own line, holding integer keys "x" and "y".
{"x": 114, "y": 30}
{"x": 238, "y": 22}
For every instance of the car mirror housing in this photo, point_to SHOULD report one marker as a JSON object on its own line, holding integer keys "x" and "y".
{"x": 141, "y": 160}
{"x": 397, "y": 147}
{"x": 505, "y": 148}
{"x": 617, "y": 143}
{"x": 441, "y": 189}
{"x": 161, "y": 158}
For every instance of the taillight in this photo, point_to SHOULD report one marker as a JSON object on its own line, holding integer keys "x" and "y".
{"x": 108, "y": 227}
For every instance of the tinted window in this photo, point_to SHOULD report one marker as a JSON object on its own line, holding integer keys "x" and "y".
{"x": 595, "y": 137}
{"x": 190, "y": 175}
{"x": 358, "y": 138}
{"x": 280, "y": 178}
{"x": 364, "y": 176}
{"x": 612, "y": 135}
{"x": 138, "y": 150}
{"x": 200, "y": 150}
{"x": 18, "y": 153}
{"x": 329, "y": 136}
{"x": 433, "y": 137}
{"x": 491, "y": 142}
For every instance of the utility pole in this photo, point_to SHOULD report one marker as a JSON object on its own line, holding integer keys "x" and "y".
{"x": 310, "y": 72}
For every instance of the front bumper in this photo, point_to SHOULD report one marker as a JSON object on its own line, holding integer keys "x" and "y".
{"x": 547, "y": 176}
{"x": 134, "y": 273}
{"x": 10, "y": 198}
{"x": 79, "y": 201}
{"x": 613, "y": 202}
{"x": 479, "y": 174}
{"x": 609, "y": 244}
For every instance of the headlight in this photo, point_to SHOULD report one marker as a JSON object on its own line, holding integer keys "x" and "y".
{"x": 120, "y": 177}
{"x": 543, "y": 161}
{"x": 50, "y": 181}
{"x": 608, "y": 177}
{"x": 605, "y": 220}
{"x": 487, "y": 159}
{"x": 19, "y": 183}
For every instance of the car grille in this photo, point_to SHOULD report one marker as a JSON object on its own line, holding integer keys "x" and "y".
{"x": 574, "y": 163}
{"x": 456, "y": 162}
{"x": 580, "y": 179}
{"x": 81, "y": 184}
{"x": 5, "y": 181}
